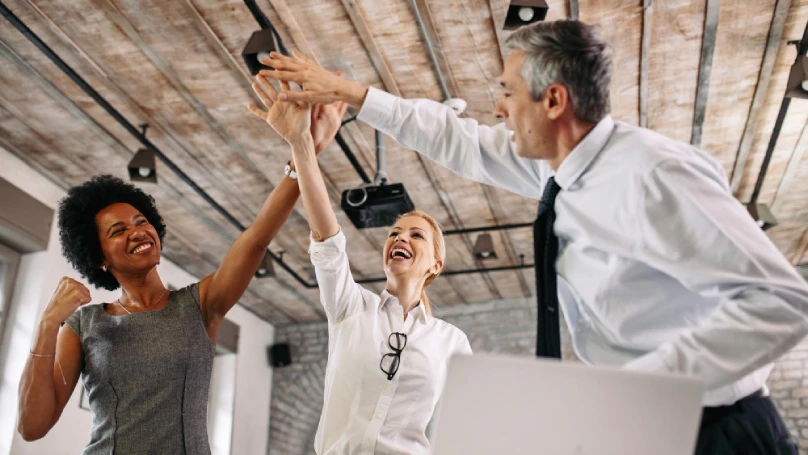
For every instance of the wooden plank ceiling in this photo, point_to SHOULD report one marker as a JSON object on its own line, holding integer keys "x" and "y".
{"x": 709, "y": 71}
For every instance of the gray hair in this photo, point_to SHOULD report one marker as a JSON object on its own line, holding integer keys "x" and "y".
{"x": 569, "y": 53}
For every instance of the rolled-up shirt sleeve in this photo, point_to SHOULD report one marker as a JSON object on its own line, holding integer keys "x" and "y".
{"x": 340, "y": 295}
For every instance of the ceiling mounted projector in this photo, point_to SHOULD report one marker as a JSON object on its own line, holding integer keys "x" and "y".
{"x": 376, "y": 205}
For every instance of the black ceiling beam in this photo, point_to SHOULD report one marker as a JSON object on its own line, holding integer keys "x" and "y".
{"x": 802, "y": 48}
{"x": 504, "y": 268}
{"x": 764, "y": 166}
{"x": 351, "y": 157}
{"x": 259, "y": 15}
{"x": 498, "y": 227}
{"x": 803, "y": 43}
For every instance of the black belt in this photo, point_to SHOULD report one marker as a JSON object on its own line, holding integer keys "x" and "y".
{"x": 711, "y": 413}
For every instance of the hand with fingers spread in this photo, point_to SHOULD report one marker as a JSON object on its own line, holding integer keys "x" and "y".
{"x": 326, "y": 120}
{"x": 68, "y": 297}
{"x": 290, "y": 119}
{"x": 319, "y": 85}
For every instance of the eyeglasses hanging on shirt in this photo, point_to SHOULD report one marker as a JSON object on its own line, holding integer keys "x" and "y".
{"x": 390, "y": 361}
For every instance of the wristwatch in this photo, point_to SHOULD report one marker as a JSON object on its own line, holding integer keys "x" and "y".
{"x": 289, "y": 171}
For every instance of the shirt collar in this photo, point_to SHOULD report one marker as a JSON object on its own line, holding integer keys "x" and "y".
{"x": 418, "y": 312}
{"x": 576, "y": 163}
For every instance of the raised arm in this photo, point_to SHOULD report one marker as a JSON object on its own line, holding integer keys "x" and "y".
{"x": 221, "y": 290}
{"x": 53, "y": 365}
{"x": 470, "y": 150}
{"x": 473, "y": 151}
{"x": 291, "y": 120}
{"x": 339, "y": 293}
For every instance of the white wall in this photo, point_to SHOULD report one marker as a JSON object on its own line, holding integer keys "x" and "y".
{"x": 36, "y": 280}
{"x": 19, "y": 326}
{"x": 221, "y": 403}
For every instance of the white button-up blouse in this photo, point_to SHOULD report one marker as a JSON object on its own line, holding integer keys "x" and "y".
{"x": 363, "y": 411}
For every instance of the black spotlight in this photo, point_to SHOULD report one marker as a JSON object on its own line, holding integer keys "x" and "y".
{"x": 266, "y": 268}
{"x": 523, "y": 12}
{"x": 484, "y": 247}
{"x": 142, "y": 167}
{"x": 797, "y": 86}
{"x": 260, "y": 44}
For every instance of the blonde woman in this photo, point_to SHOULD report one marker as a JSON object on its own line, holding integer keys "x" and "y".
{"x": 387, "y": 355}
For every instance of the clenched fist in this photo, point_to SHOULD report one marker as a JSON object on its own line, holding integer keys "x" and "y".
{"x": 68, "y": 297}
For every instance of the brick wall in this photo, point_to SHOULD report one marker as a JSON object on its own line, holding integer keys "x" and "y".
{"x": 788, "y": 385}
{"x": 297, "y": 390}
{"x": 507, "y": 327}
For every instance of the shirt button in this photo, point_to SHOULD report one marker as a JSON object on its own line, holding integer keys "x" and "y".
{"x": 379, "y": 415}
{"x": 389, "y": 388}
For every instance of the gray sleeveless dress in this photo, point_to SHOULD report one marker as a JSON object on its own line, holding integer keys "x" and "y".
{"x": 147, "y": 377}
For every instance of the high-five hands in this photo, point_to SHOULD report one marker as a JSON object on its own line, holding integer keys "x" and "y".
{"x": 319, "y": 85}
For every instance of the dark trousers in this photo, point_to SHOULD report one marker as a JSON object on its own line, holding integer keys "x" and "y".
{"x": 751, "y": 426}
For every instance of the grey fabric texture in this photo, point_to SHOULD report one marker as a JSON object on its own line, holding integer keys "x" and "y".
{"x": 147, "y": 376}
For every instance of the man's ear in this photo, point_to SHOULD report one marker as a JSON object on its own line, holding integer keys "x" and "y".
{"x": 556, "y": 100}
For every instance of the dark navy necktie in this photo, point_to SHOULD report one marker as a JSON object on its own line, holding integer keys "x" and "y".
{"x": 545, "y": 250}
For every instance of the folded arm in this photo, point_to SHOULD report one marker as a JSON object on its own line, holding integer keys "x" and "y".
{"x": 696, "y": 232}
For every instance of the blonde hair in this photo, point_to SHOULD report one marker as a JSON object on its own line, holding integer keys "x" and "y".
{"x": 439, "y": 245}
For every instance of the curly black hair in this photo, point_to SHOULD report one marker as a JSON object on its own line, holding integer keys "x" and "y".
{"x": 78, "y": 232}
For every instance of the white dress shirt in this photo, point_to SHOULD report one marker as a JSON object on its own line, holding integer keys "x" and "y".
{"x": 364, "y": 412}
{"x": 660, "y": 268}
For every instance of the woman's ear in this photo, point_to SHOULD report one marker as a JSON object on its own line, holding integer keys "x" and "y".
{"x": 435, "y": 269}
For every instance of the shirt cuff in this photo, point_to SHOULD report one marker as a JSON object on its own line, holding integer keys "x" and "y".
{"x": 377, "y": 110}
{"x": 323, "y": 253}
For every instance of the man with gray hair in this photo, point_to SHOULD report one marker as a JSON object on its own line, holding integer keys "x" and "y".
{"x": 639, "y": 240}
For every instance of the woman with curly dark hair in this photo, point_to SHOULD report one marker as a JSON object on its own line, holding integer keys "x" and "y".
{"x": 145, "y": 359}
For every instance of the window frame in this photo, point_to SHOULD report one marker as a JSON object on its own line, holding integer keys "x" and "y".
{"x": 8, "y": 276}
